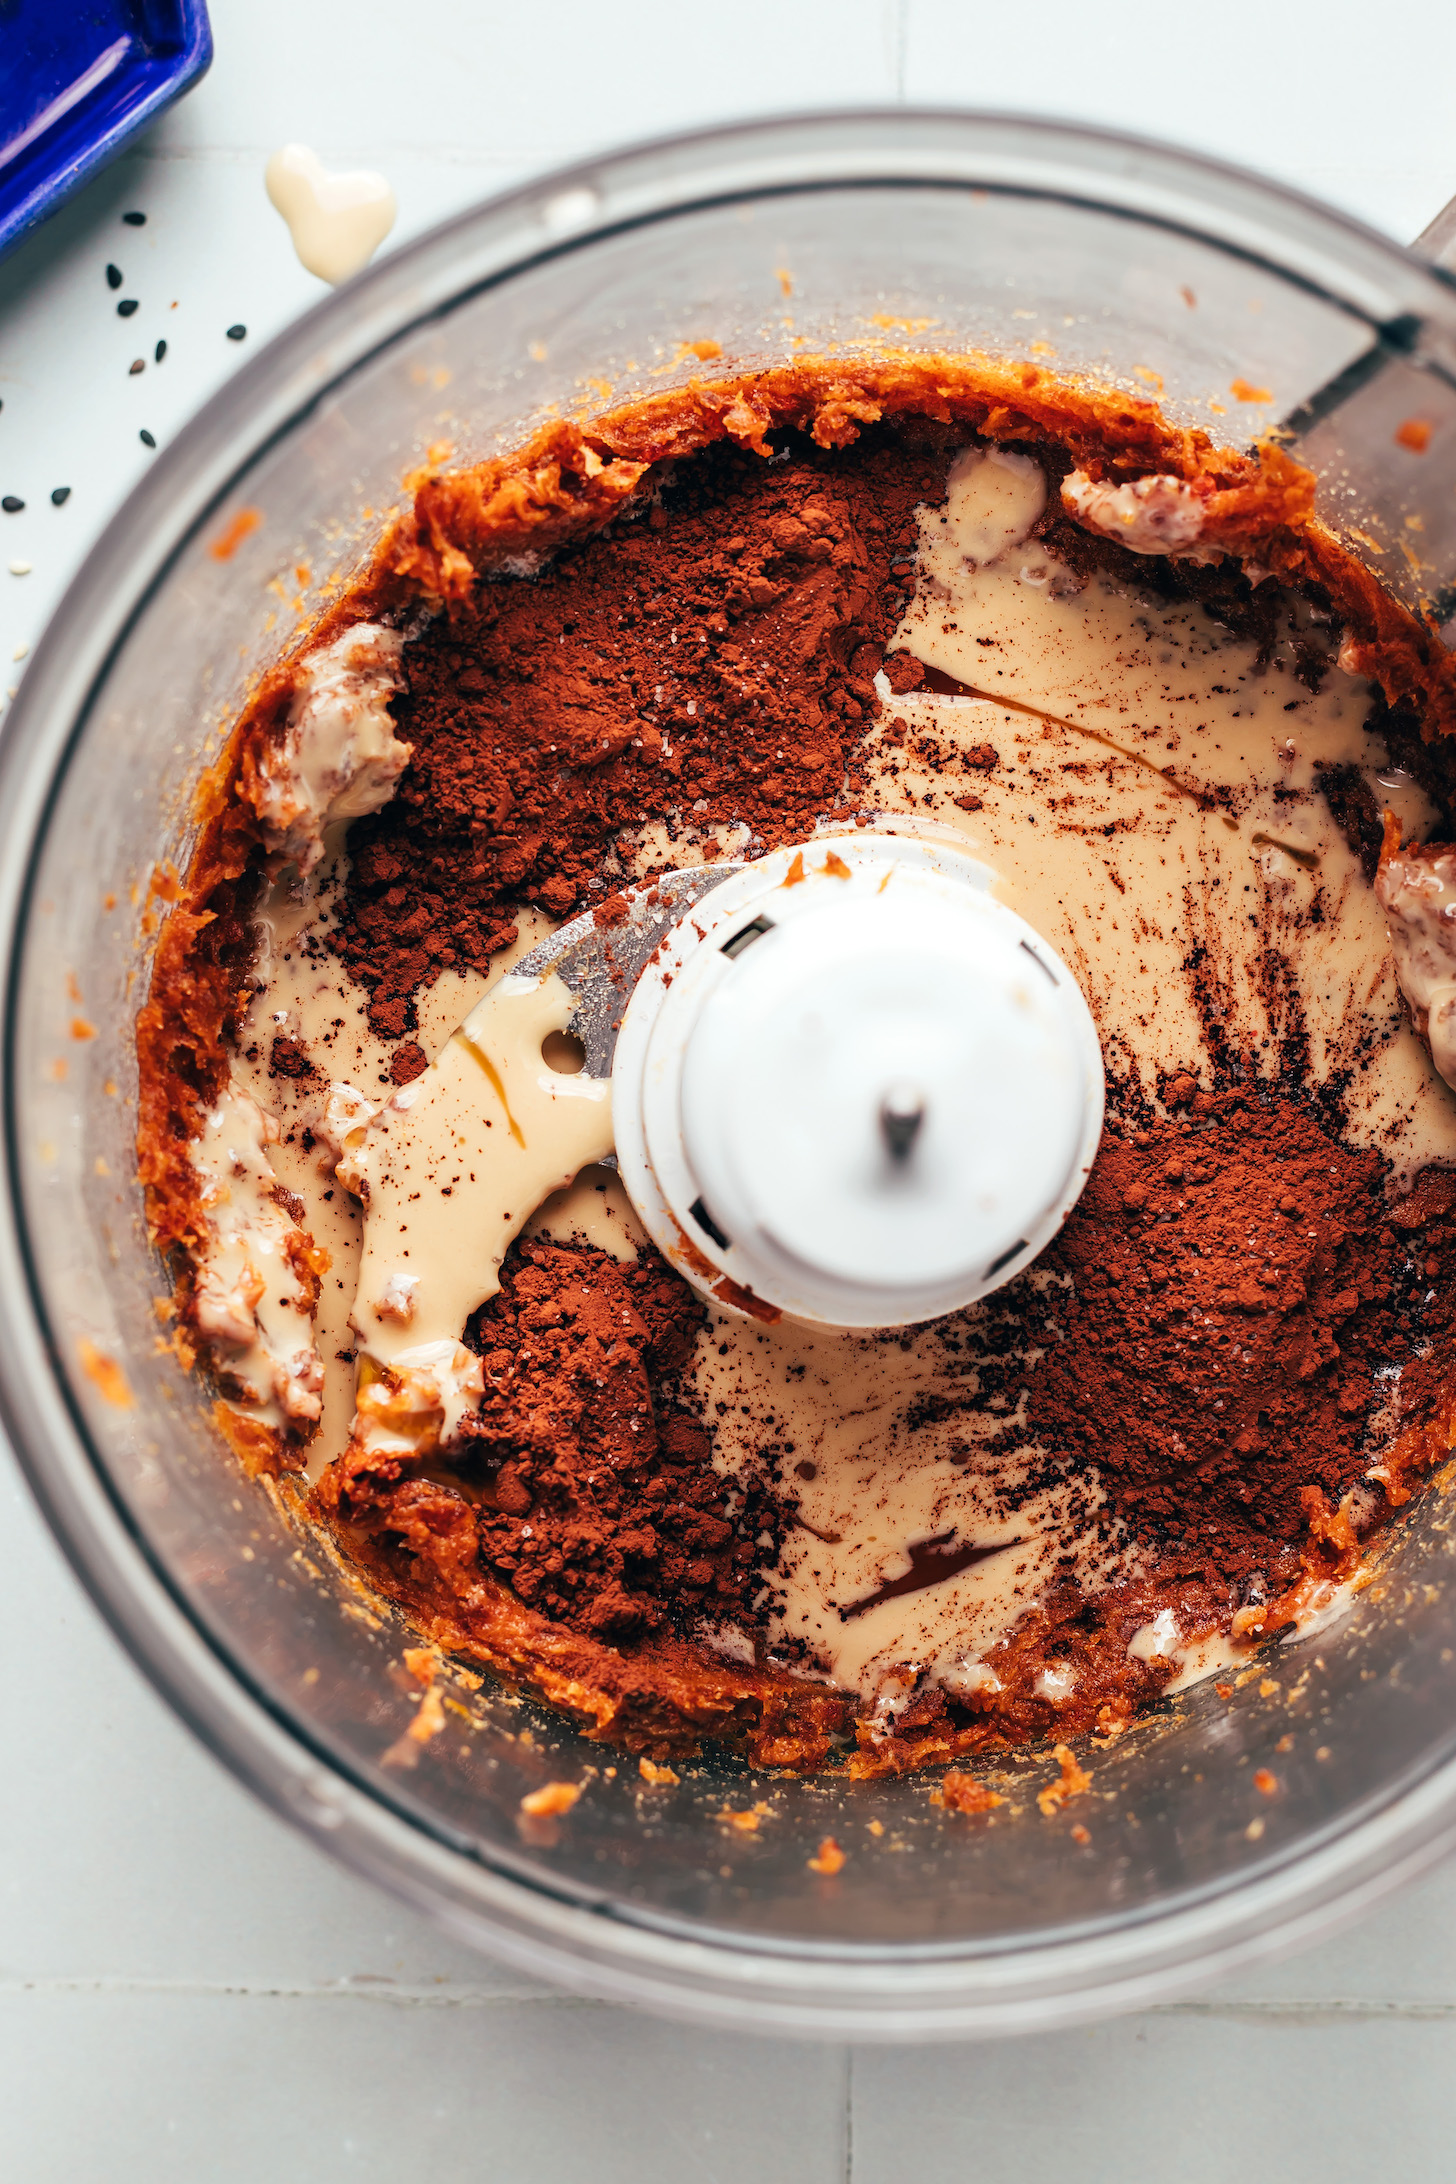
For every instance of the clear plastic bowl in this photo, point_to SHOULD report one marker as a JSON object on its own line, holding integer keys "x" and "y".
{"x": 932, "y": 230}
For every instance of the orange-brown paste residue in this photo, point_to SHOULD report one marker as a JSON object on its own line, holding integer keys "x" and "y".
{"x": 962, "y": 1793}
{"x": 243, "y": 525}
{"x": 1073, "y": 1781}
{"x": 105, "y": 1375}
{"x": 552, "y": 1799}
{"x": 537, "y": 739}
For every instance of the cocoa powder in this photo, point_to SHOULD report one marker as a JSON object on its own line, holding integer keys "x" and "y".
{"x": 590, "y": 1488}
{"x": 1241, "y": 1305}
{"x": 708, "y": 662}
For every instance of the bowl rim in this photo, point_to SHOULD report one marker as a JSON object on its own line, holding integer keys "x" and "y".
{"x": 598, "y": 1949}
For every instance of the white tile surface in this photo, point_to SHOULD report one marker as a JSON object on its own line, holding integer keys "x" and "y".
{"x": 1331, "y": 96}
{"x": 188, "y": 1990}
{"x": 318, "y": 2090}
{"x": 1165, "y": 2099}
{"x": 128, "y": 1855}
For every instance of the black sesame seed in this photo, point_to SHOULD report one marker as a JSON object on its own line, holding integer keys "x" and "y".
{"x": 11, "y": 505}
{"x": 146, "y": 438}
{"x": 237, "y": 333}
{"x": 125, "y": 308}
{"x": 137, "y": 364}
{"x": 113, "y": 276}
{"x": 160, "y": 351}
{"x": 60, "y": 496}
{"x": 135, "y": 219}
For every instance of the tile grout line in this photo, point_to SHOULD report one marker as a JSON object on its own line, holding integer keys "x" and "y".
{"x": 849, "y": 2115}
{"x": 441, "y": 1997}
{"x": 1325, "y": 2009}
{"x": 445, "y": 1996}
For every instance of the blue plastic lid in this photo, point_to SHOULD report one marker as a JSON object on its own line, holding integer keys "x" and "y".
{"x": 76, "y": 81}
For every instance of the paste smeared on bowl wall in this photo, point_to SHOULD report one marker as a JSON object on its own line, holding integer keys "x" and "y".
{"x": 1135, "y": 678}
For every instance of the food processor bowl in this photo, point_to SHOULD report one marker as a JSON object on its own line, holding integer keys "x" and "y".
{"x": 849, "y": 234}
